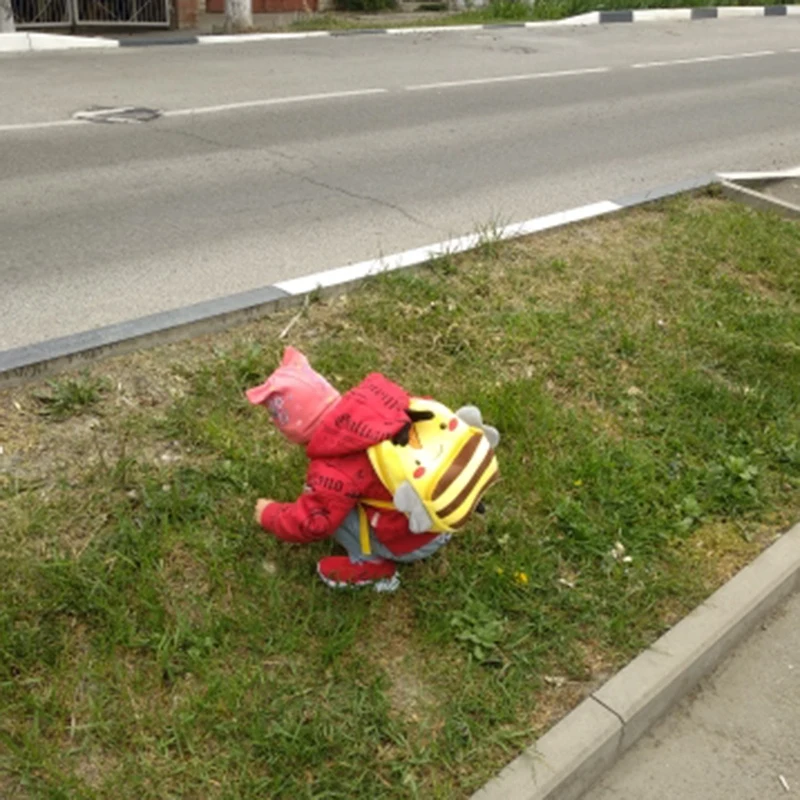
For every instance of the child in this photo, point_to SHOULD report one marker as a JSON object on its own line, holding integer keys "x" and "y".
{"x": 337, "y": 431}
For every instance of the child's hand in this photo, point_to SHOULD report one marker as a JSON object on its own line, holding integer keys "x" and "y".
{"x": 261, "y": 504}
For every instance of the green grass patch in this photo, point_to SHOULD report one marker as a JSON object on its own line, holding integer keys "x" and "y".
{"x": 644, "y": 372}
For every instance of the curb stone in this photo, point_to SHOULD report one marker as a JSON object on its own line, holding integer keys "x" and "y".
{"x": 30, "y": 362}
{"x": 755, "y": 199}
{"x": 572, "y": 755}
{"x": 26, "y": 42}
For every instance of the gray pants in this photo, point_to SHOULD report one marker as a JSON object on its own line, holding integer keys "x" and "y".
{"x": 348, "y": 535}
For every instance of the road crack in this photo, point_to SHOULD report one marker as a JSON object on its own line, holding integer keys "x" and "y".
{"x": 276, "y": 156}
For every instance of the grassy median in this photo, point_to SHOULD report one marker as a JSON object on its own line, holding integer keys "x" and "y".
{"x": 644, "y": 372}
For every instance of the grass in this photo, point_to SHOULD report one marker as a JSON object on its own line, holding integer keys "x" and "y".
{"x": 71, "y": 396}
{"x": 495, "y": 11}
{"x": 644, "y": 372}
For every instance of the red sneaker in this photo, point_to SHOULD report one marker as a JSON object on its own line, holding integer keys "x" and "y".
{"x": 339, "y": 572}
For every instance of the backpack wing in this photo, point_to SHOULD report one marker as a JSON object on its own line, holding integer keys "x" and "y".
{"x": 410, "y": 503}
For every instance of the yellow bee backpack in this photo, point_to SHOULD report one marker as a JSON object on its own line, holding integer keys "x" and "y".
{"x": 438, "y": 468}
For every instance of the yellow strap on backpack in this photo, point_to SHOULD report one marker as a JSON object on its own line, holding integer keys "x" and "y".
{"x": 363, "y": 523}
{"x": 363, "y": 531}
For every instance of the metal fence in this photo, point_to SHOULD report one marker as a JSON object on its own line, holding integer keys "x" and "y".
{"x": 42, "y": 13}
{"x": 84, "y": 13}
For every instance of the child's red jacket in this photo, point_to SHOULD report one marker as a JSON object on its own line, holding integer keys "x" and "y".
{"x": 340, "y": 473}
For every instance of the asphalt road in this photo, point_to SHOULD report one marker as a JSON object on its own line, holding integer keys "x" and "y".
{"x": 279, "y": 159}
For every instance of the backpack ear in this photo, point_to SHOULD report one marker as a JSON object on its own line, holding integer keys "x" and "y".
{"x": 472, "y": 416}
{"x": 493, "y": 435}
{"x": 402, "y": 436}
{"x": 408, "y": 501}
{"x": 418, "y": 416}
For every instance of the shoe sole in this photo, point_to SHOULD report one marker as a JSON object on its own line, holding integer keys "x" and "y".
{"x": 383, "y": 585}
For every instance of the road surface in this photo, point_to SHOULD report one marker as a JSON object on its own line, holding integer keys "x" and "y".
{"x": 279, "y": 159}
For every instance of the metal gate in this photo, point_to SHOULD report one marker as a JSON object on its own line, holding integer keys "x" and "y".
{"x": 86, "y": 13}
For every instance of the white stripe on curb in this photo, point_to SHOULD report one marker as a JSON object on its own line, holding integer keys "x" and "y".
{"x": 24, "y": 42}
{"x": 662, "y": 14}
{"x": 740, "y": 11}
{"x": 794, "y": 172}
{"x": 240, "y": 38}
{"x": 432, "y": 29}
{"x": 590, "y": 18}
{"x": 419, "y": 255}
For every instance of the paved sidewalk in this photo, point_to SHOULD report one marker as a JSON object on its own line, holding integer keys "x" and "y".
{"x": 736, "y": 738}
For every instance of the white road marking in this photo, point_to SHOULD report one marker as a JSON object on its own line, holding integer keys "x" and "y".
{"x": 33, "y": 126}
{"x": 420, "y": 255}
{"x": 507, "y": 79}
{"x": 271, "y": 101}
{"x": 703, "y": 59}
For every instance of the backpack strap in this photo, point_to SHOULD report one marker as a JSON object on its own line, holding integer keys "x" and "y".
{"x": 363, "y": 522}
{"x": 363, "y": 531}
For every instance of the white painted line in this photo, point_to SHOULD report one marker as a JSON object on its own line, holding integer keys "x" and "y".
{"x": 240, "y": 38}
{"x": 754, "y": 176}
{"x": 17, "y": 42}
{"x": 549, "y": 23}
{"x": 34, "y": 126}
{"x": 433, "y": 29}
{"x": 590, "y": 18}
{"x": 271, "y": 101}
{"x": 703, "y": 59}
{"x": 656, "y": 14}
{"x": 419, "y": 255}
{"x": 740, "y": 11}
{"x": 54, "y": 41}
{"x": 507, "y": 79}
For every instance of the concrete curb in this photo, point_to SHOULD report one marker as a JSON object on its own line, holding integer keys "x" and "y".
{"x": 29, "y": 362}
{"x": 570, "y": 757}
{"x": 26, "y": 42}
{"x": 758, "y": 200}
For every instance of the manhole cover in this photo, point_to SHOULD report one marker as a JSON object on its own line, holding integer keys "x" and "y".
{"x": 118, "y": 114}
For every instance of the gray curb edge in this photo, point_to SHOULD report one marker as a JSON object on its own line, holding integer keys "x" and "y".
{"x": 757, "y": 200}
{"x": 23, "y": 364}
{"x": 572, "y": 755}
